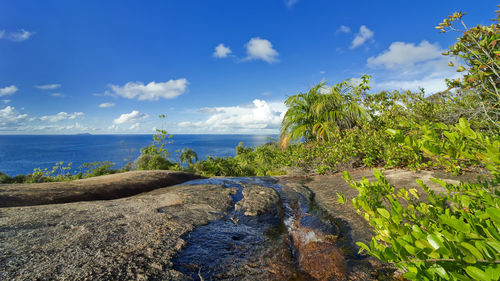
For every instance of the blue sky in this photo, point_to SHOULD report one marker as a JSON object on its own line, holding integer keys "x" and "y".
{"x": 219, "y": 67}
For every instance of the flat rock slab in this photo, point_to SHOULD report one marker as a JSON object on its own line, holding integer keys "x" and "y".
{"x": 132, "y": 238}
{"x": 325, "y": 189}
{"x": 90, "y": 189}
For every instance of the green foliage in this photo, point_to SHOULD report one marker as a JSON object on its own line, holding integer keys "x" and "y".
{"x": 312, "y": 115}
{"x": 97, "y": 168}
{"x": 453, "y": 236}
{"x": 59, "y": 172}
{"x": 477, "y": 48}
{"x": 155, "y": 156}
{"x": 152, "y": 162}
{"x": 5, "y": 178}
{"x": 188, "y": 156}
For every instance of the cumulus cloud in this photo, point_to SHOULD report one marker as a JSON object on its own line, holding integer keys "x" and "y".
{"x": 361, "y": 37}
{"x": 261, "y": 49}
{"x": 152, "y": 91}
{"x": 48, "y": 86}
{"x": 57, "y": 128}
{"x": 405, "y": 54}
{"x": 410, "y": 66}
{"x": 343, "y": 29}
{"x": 61, "y": 116}
{"x": 221, "y": 51}
{"x": 106, "y": 105}
{"x": 16, "y": 36}
{"x": 260, "y": 116}
{"x": 9, "y": 116}
{"x": 429, "y": 84}
{"x": 9, "y": 90}
{"x": 132, "y": 117}
{"x": 135, "y": 126}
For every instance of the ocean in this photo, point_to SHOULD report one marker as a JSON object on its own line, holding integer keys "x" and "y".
{"x": 20, "y": 154}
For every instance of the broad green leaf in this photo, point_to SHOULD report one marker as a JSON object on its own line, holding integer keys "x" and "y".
{"x": 472, "y": 250}
{"x": 434, "y": 241}
{"x": 384, "y": 213}
{"x": 494, "y": 214}
{"x": 455, "y": 223}
{"x": 477, "y": 273}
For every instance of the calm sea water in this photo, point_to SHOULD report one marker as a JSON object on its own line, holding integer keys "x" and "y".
{"x": 20, "y": 154}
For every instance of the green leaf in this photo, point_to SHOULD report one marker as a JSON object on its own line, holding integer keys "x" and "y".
{"x": 434, "y": 241}
{"x": 477, "y": 273}
{"x": 384, "y": 213}
{"x": 341, "y": 198}
{"x": 455, "y": 223}
{"x": 414, "y": 192}
{"x": 470, "y": 259}
{"x": 494, "y": 214}
{"x": 363, "y": 247}
{"x": 472, "y": 250}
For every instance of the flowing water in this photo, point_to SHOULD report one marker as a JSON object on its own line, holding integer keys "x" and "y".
{"x": 295, "y": 242}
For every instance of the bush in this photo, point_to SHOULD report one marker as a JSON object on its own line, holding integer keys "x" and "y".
{"x": 5, "y": 178}
{"x": 453, "y": 236}
{"x": 152, "y": 162}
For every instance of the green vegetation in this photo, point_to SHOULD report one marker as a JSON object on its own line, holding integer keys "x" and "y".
{"x": 431, "y": 236}
{"x": 452, "y": 236}
{"x": 62, "y": 172}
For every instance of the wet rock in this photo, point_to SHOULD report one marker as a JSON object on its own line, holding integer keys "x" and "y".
{"x": 123, "y": 239}
{"x": 97, "y": 188}
{"x": 259, "y": 200}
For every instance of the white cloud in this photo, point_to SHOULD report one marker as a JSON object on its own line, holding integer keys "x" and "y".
{"x": 6, "y": 101}
{"x": 221, "y": 51}
{"x": 402, "y": 54}
{"x": 132, "y": 117}
{"x": 77, "y": 127}
{"x": 152, "y": 91}
{"x": 258, "y": 117}
{"x": 343, "y": 29}
{"x": 62, "y": 116}
{"x": 135, "y": 126}
{"x": 261, "y": 49}
{"x": 17, "y": 36}
{"x": 361, "y": 37}
{"x": 106, "y": 104}
{"x": 290, "y": 3}
{"x": 9, "y": 116}
{"x": 431, "y": 85}
{"x": 410, "y": 66}
{"x": 58, "y": 95}
{"x": 48, "y": 86}
{"x": 9, "y": 90}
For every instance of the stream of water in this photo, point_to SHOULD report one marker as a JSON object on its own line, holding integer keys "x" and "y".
{"x": 293, "y": 243}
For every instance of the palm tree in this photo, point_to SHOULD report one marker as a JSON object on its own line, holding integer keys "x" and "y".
{"x": 299, "y": 119}
{"x": 188, "y": 155}
{"x": 317, "y": 114}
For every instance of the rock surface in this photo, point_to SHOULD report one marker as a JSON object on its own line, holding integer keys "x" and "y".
{"x": 126, "y": 239}
{"x": 258, "y": 200}
{"x": 325, "y": 189}
{"x": 96, "y": 188}
{"x": 140, "y": 237}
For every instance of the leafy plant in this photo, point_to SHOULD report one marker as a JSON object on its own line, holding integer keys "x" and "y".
{"x": 313, "y": 114}
{"x": 477, "y": 48}
{"x": 453, "y": 236}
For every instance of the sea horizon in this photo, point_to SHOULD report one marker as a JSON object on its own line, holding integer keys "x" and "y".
{"x": 21, "y": 154}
